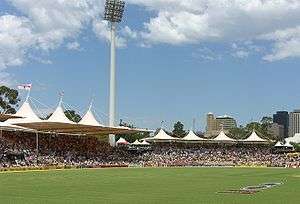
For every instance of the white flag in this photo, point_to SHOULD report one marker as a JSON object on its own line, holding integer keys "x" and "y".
{"x": 24, "y": 87}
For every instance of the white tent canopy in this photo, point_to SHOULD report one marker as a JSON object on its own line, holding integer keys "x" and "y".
{"x": 145, "y": 143}
{"x": 27, "y": 114}
{"x": 282, "y": 144}
{"x": 254, "y": 138}
{"x": 191, "y": 136}
{"x": 122, "y": 141}
{"x": 7, "y": 126}
{"x": 162, "y": 136}
{"x": 223, "y": 137}
{"x": 59, "y": 116}
{"x": 89, "y": 119}
{"x": 136, "y": 142}
{"x": 279, "y": 144}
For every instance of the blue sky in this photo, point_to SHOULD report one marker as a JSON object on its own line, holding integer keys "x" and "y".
{"x": 164, "y": 73}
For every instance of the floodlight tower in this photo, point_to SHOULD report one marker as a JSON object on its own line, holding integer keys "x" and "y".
{"x": 114, "y": 10}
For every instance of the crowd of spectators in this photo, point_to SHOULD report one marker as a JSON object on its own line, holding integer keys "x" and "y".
{"x": 19, "y": 150}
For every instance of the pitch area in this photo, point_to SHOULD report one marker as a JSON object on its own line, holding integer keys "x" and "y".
{"x": 147, "y": 185}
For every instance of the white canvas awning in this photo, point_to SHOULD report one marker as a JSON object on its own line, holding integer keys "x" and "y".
{"x": 282, "y": 144}
{"x": 7, "y": 126}
{"x": 90, "y": 119}
{"x": 60, "y": 124}
{"x": 4, "y": 117}
{"x": 279, "y": 144}
{"x": 162, "y": 136}
{"x": 254, "y": 138}
{"x": 145, "y": 143}
{"x": 26, "y": 113}
{"x": 222, "y": 137}
{"x": 122, "y": 141}
{"x": 136, "y": 142}
{"x": 59, "y": 116}
{"x": 191, "y": 136}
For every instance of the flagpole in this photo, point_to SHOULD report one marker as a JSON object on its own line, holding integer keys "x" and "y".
{"x": 28, "y": 94}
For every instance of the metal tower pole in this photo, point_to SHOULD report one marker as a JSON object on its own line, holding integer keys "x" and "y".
{"x": 112, "y": 82}
{"x": 113, "y": 13}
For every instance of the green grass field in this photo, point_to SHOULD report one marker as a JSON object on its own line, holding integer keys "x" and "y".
{"x": 164, "y": 185}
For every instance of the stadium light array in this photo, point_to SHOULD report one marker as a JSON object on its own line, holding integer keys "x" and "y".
{"x": 114, "y": 10}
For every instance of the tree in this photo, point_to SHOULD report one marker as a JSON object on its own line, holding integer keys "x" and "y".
{"x": 131, "y": 137}
{"x": 266, "y": 120}
{"x": 179, "y": 129}
{"x": 73, "y": 116}
{"x": 9, "y": 99}
{"x": 238, "y": 132}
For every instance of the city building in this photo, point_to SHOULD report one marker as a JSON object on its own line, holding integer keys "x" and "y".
{"x": 215, "y": 124}
{"x": 294, "y": 123}
{"x": 226, "y": 122}
{"x": 276, "y": 130}
{"x": 282, "y": 118}
{"x": 211, "y": 122}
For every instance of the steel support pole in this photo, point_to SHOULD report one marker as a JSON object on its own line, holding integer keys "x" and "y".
{"x": 37, "y": 147}
{"x": 112, "y": 82}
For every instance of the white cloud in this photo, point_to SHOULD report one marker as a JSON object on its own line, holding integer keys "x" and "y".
{"x": 73, "y": 46}
{"x": 15, "y": 37}
{"x": 206, "y": 54}
{"x": 195, "y": 21}
{"x": 6, "y": 79}
{"x": 49, "y": 24}
{"x": 286, "y": 44}
{"x": 241, "y": 54}
{"x": 101, "y": 29}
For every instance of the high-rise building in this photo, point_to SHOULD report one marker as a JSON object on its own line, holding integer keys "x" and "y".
{"x": 282, "y": 118}
{"x": 294, "y": 123}
{"x": 211, "y": 122}
{"x": 215, "y": 124}
{"x": 226, "y": 122}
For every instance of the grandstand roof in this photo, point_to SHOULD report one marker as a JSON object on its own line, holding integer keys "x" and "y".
{"x": 254, "y": 138}
{"x": 136, "y": 142}
{"x": 89, "y": 119}
{"x": 122, "y": 141}
{"x": 223, "y": 137}
{"x": 7, "y": 126}
{"x": 59, "y": 116}
{"x": 191, "y": 136}
{"x": 4, "y": 117}
{"x": 162, "y": 136}
{"x": 27, "y": 114}
{"x": 145, "y": 143}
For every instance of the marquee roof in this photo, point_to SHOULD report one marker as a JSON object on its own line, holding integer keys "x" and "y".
{"x": 59, "y": 123}
{"x": 122, "y": 141}
{"x": 136, "y": 142}
{"x": 281, "y": 144}
{"x": 162, "y": 136}
{"x": 27, "y": 114}
{"x": 89, "y": 119}
{"x": 191, "y": 136}
{"x": 59, "y": 116}
{"x": 4, "y": 117}
{"x": 254, "y": 138}
{"x": 145, "y": 143}
{"x": 7, "y": 126}
{"x": 223, "y": 137}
